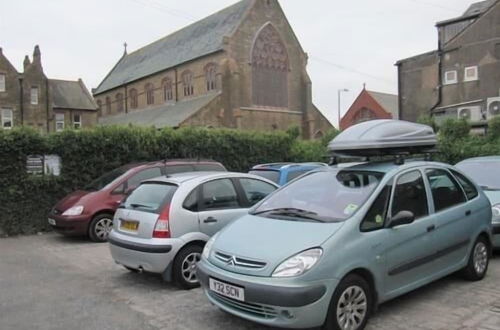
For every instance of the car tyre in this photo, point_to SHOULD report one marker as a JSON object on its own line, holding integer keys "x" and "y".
{"x": 479, "y": 259}
{"x": 100, "y": 226}
{"x": 351, "y": 304}
{"x": 184, "y": 267}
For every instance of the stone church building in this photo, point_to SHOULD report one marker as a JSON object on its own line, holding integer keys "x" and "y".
{"x": 31, "y": 99}
{"x": 242, "y": 67}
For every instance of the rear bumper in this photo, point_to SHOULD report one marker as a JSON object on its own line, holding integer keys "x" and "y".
{"x": 271, "y": 301}
{"x": 154, "y": 257}
{"x": 70, "y": 225}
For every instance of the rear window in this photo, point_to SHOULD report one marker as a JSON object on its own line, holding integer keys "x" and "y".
{"x": 274, "y": 176}
{"x": 150, "y": 197}
{"x": 295, "y": 174}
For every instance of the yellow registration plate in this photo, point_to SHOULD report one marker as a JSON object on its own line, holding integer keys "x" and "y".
{"x": 129, "y": 225}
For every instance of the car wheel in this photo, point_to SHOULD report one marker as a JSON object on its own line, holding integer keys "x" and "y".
{"x": 184, "y": 268}
{"x": 478, "y": 261}
{"x": 351, "y": 305}
{"x": 100, "y": 227}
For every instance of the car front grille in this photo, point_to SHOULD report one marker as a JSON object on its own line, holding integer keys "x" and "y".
{"x": 257, "y": 310}
{"x": 239, "y": 262}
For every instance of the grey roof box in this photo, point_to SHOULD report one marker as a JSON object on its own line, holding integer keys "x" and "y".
{"x": 384, "y": 137}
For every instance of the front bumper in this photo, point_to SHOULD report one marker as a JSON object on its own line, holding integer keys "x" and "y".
{"x": 151, "y": 257}
{"x": 496, "y": 235}
{"x": 271, "y": 301}
{"x": 70, "y": 225}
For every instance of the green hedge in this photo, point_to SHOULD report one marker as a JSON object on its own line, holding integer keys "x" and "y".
{"x": 25, "y": 200}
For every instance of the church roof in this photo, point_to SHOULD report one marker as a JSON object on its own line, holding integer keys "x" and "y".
{"x": 71, "y": 95}
{"x": 165, "y": 115}
{"x": 196, "y": 40}
{"x": 387, "y": 101}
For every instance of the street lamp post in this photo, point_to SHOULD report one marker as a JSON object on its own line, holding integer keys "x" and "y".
{"x": 338, "y": 98}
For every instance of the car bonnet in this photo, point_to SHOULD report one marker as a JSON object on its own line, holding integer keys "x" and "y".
{"x": 256, "y": 245}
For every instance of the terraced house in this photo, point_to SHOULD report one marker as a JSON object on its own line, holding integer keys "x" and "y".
{"x": 242, "y": 67}
{"x": 31, "y": 99}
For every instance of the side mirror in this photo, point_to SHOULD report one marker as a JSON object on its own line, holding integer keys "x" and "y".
{"x": 402, "y": 218}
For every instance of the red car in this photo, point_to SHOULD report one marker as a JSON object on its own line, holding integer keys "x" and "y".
{"x": 90, "y": 211}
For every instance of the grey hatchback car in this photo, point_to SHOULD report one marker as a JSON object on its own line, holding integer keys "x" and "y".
{"x": 164, "y": 224}
{"x": 327, "y": 248}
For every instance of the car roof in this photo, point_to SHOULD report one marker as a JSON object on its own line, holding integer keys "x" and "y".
{"x": 282, "y": 166}
{"x": 170, "y": 162}
{"x": 481, "y": 159}
{"x": 180, "y": 178}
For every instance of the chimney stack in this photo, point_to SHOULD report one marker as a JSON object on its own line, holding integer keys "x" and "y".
{"x": 26, "y": 62}
{"x": 37, "y": 56}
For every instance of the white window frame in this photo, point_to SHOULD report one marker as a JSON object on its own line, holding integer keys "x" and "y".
{"x": 2, "y": 82}
{"x": 77, "y": 124}
{"x": 34, "y": 96}
{"x": 7, "y": 118}
{"x": 59, "y": 122}
{"x": 450, "y": 81}
{"x": 476, "y": 73}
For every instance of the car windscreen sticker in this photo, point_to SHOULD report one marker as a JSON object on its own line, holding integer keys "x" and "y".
{"x": 379, "y": 219}
{"x": 350, "y": 209}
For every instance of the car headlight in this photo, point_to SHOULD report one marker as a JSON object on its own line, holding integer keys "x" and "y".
{"x": 208, "y": 247}
{"x": 75, "y": 210}
{"x": 495, "y": 210}
{"x": 298, "y": 264}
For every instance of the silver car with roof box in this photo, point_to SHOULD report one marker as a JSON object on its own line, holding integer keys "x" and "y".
{"x": 164, "y": 223}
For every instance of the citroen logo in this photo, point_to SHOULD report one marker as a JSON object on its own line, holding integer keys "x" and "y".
{"x": 232, "y": 261}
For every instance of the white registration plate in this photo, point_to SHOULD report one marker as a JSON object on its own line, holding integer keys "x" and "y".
{"x": 52, "y": 222}
{"x": 227, "y": 290}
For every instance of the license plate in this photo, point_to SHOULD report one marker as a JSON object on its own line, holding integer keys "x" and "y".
{"x": 227, "y": 290}
{"x": 52, "y": 222}
{"x": 129, "y": 225}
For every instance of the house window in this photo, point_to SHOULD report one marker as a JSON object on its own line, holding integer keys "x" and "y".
{"x": 59, "y": 122}
{"x": 168, "y": 95}
{"x": 210, "y": 76}
{"x": 34, "y": 95}
{"x": 2, "y": 82}
{"x": 108, "y": 105}
{"x": 269, "y": 69}
{"x": 99, "y": 106}
{"x": 150, "y": 93}
{"x": 133, "y": 99}
{"x": 470, "y": 73}
{"x": 450, "y": 77}
{"x": 77, "y": 121}
{"x": 187, "y": 81}
{"x": 7, "y": 119}
{"x": 119, "y": 102}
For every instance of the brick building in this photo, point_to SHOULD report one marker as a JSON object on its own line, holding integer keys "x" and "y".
{"x": 241, "y": 67}
{"x": 31, "y": 99}
{"x": 370, "y": 105}
{"x": 461, "y": 79}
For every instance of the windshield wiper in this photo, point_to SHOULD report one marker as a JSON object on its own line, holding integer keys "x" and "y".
{"x": 134, "y": 205}
{"x": 293, "y": 212}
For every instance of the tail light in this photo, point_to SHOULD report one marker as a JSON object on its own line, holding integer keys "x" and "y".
{"x": 162, "y": 229}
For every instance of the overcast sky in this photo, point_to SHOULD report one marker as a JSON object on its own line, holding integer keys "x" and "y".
{"x": 349, "y": 42}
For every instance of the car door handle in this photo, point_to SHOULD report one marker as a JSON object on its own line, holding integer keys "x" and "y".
{"x": 431, "y": 228}
{"x": 467, "y": 213}
{"x": 210, "y": 220}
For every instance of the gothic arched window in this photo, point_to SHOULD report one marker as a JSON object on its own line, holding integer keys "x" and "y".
{"x": 119, "y": 102}
{"x": 269, "y": 69}
{"x": 108, "y": 105}
{"x": 211, "y": 76}
{"x": 99, "y": 106}
{"x": 150, "y": 93}
{"x": 167, "y": 89}
{"x": 133, "y": 99}
{"x": 187, "y": 82}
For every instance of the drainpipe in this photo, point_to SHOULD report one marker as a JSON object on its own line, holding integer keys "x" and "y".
{"x": 21, "y": 99}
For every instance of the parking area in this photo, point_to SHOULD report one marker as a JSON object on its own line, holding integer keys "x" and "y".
{"x": 52, "y": 282}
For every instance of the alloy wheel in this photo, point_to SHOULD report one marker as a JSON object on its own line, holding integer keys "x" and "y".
{"x": 103, "y": 228}
{"x": 189, "y": 267}
{"x": 480, "y": 258}
{"x": 352, "y": 308}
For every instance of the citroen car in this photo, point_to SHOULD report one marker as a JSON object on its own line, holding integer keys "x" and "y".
{"x": 164, "y": 224}
{"x": 485, "y": 171}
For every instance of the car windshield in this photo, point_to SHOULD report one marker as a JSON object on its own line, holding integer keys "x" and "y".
{"x": 326, "y": 196}
{"x": 150, "y": 197}
{"x": 272, "y": 175}
{"x": 486, "y": 174}
{"x": 106, "y": 179}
